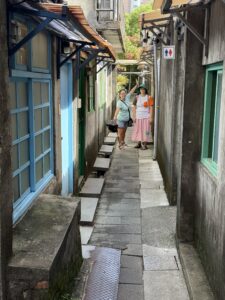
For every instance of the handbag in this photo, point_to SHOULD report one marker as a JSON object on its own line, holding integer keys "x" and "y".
{"x": 130, "y": 122}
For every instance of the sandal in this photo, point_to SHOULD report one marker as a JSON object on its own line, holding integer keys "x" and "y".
{"x": 143, "y": 147}
{"x": 137, "y": 146}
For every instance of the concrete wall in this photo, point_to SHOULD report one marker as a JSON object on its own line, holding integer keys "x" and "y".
{"x": 210, "y": 205}
{"x": 5, "y": 159}
{"x": 200, "y": 196}
{"x": 170, "y": 112}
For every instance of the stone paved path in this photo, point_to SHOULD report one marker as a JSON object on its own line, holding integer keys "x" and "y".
{"x": 134, "y": 216}
{"x": 118, "y": 220}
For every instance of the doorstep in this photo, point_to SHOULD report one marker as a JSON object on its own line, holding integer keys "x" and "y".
{"x": 46, "y": 249}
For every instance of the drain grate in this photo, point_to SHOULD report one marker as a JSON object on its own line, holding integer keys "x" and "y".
{"x": 103, "y": 281}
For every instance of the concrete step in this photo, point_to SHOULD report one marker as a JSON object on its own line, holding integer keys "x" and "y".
{"x": 101, "y": 164}
{"x": 197, "y": 282}
{"x": 88, "y": 209}
{"x": 45, "y": 243}
{"x": 92, "y": 187}
{"x": 109, "y": 140}
{"x": 113, "y": 134}
{"x": 85, "y": 233}
{"x": 106, "y": 150}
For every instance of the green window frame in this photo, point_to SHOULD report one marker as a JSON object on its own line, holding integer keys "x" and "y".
{"x": 91, "y": 92}
{"x": 211, "y": 121}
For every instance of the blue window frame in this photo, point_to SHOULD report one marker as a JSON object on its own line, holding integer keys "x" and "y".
{"x": 211, "y": 122}
{"x": 31, "y": 120}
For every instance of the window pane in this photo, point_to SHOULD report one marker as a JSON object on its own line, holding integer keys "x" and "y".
{"x": 47, "y": 163}
{"x": 37, "y": 93}
{"x": 40, "y": 51}
{"x": 22, "y": 94}
{"x": 38, "y": 145}
{"x": 38, "y": 122}
{"x": 16, "y": 193}
{"x": 23, "y": 123}
{"x": 45, "y": 92}
{"x": 39, "y": 170}
{"x": 21, "y": 54}
{"x": 46, "y": 140}
{"x": 45, "y": 117}
{"x": 12, "y": 95}
{"x": 25, "y": 180}
{"x": 15, "y": 162}
{"x": 217, "y": 117}
{"x": 14, "y": 126}
{"x": 24, "y": 152}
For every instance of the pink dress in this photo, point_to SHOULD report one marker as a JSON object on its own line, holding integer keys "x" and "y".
{"x": 141, "y": 129}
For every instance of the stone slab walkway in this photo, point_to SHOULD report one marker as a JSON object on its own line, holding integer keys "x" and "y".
{"x": 134, "y": 216}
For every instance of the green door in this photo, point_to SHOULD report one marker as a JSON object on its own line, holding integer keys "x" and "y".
{"x": 82, "y": 124}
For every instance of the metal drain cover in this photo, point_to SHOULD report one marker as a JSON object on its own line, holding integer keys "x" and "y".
{"x": 103, "y": 281}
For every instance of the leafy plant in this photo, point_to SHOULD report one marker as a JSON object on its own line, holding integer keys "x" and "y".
{"x": 132, "y": 40}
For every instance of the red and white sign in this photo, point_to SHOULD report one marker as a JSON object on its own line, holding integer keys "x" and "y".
{"x": 169, "y": 52}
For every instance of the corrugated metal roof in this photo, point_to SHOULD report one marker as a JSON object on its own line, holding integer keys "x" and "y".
{"x": 59, "y": 27}
{"x": 78, "y": 15}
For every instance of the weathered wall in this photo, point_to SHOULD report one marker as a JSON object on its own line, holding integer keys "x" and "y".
{"x": 5, "y": 160}
{"x": 170, "y": 118}
{"x": 192, "y": 128}
{"x": 210, "y": 205}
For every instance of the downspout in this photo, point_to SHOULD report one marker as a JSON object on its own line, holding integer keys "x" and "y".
{"x": 156, "y": 101}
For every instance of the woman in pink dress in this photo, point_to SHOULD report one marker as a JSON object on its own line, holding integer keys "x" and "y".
{"x": 142, "y": 117}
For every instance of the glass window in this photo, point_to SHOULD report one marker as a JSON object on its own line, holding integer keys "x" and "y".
{"x": 39, "y": 170}
{"x": 22, "y": 94}
{"x": 102, "y": 87}
{"x": 23, "y": 123}
{"x": 37, "y": 93}
{"x": 91, "y": 92}
{"x": 24, "y": 152}
{"x": 12, "y": 95}
{"x": 30, "y": 160}
{"x": 31, "y": 130}
{"x": 16, "y": 193}
{"x": 22, "y": 53}
{"x": 40, "y": 51}
{"x": 210, "y": 144}
{"x": 25, "y": 182}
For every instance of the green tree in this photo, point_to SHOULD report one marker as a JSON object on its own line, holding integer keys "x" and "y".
{"x": 132, "y": 40}
{"x": 132, "y": 19}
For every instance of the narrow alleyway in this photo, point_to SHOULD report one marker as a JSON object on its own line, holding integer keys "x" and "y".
{"x": 134, "y": 216}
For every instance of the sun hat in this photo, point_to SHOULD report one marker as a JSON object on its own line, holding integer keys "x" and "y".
{"x": 142, "y": 86}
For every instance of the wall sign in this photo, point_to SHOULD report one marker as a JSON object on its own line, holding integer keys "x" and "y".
{"x": 169, "y": 52}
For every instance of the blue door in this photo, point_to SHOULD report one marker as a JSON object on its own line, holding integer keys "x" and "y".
{"x": 66, "y": 129}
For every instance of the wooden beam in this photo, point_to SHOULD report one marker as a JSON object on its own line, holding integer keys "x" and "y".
{"x": 160, "y": 30}
{"x": 158, "y": 37}
{"x": 191, "y": 28}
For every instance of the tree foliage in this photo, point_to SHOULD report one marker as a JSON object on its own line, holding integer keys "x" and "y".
{"x": 132, "y": 40}
{"x": 122, "y": 81}
{"x": 132, "y": 19}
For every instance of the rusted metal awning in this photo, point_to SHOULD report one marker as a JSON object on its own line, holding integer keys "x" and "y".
{"x": 84, "y": 27}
